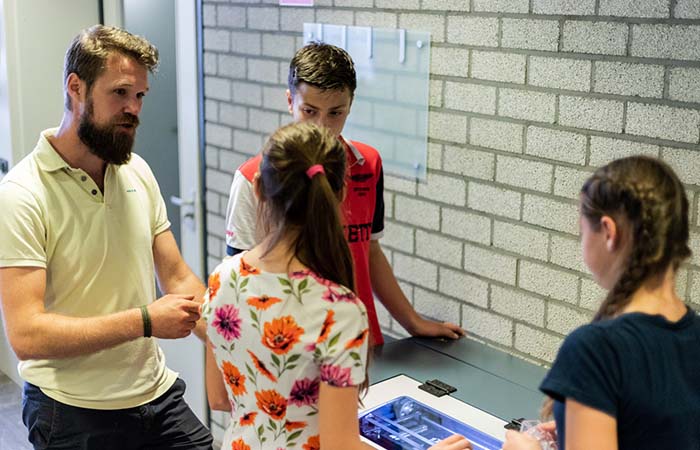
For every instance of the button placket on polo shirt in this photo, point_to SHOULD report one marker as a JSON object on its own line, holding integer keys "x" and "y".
{"x": 87, "y": 184}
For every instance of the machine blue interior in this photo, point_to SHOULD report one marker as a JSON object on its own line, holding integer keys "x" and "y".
{"x": 406, "y": 424}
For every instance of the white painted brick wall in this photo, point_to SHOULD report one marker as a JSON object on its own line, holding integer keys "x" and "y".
{"x": 592, "y": 295}
{"x": 478, "y": 31}
{"x": 685, "y": 162}
{"x": 464, "y": 287}
{"x": 567, "y": 7}
{"x": 568, "y": 181}
{"x": 209, "y": 15}
{"x": 217, "y": 135}
{"x": 560, "y": 73}
{"x": 604, "y": 150}
{"x": 216, "y": 40}
{"x": 263, "y": 70}
{"x": 523, "y": 240}
{"x": 489, "y": 264}
{"x": 440, "y": 249}
{"x": 279, "y": 46}
{"x": 466, "y": 225}
{"x": 547, "y": 281}
{"x": 685, "y": 84}
{"x": 231, "y": 16}
{"x": 417, "y": 212}
{"x": 549, "y": 213}
{"x": 536, "y": 343}
{"x": 518, "y": 305}
{"x": 507, "y": 6}
{"x": 232, "y": 66}
{"x": 565, "y": 319}
{"x": 557, "y": 145}
{"x": 566, "y": 252}
{"x": 666, "y": 41}
{"x": 687, "y": 9}
{"x": 247, "y": 142}
{"x": 293, "y": 19}
{"x": 449, "y": 61}
{"x": 335, "y": 16}
{"x": 470, "y": 97}
{"x": 527, "y": 105}
{"x": 233, "y": 115}
{"x": 274, "y": 98}
{"x": 263, "y": 121}
{"x": 496, "y": 134}
{"x": 397, "y": 236}
{"x": 392, "y": 183}
{"x": 487, "y": 325}
{"x": 354, "y": 3}
{"x": 469, "y": 162}
{"x": 219, "y": 182}
{"x": 642, "y": 80}
{"x": 376, "y": 19}
{"x": 415, "y": 270}
{"x": 448, "y": 127}
{"x": 494, "y": 200}
{"x": 635, "y": 8}
{"x": 600, "y": 38}
{"x": 591, "y": 113}
{"x": 451, "y": 190}
{"x": 217, "y": 88}
{"x": 665, "y": 122}
{"x": 436, "y": 306}
{"x": 248, "y": 43}
{"x": 445, "y": 5}
{"x": 432, "y": 23}
{"x": 247, "y": 93}
{"x": 263, "y": 18}
{"x": 524, "y": 173}
{"x": 397, "y": 4}
{"x": 530, "y": 34}
{"x": 507, "y": 67}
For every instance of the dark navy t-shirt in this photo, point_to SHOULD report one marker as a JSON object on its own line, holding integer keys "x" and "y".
{"x": 640, "y": 369}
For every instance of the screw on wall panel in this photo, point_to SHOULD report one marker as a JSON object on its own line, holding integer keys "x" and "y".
{"x": 4, "y": 166}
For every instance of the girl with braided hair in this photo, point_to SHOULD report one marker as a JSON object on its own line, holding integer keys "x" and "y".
{"x": 631, "y": 378}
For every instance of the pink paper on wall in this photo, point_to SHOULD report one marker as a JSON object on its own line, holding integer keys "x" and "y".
{"x": 296, "y": 2}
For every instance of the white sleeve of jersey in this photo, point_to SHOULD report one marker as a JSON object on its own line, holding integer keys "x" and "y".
{"x": 241, "y": 214}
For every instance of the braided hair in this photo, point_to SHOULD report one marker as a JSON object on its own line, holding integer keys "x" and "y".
{"x": 648, "y": 196}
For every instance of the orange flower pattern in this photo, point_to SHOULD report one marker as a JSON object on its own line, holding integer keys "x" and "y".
{"x": 248, "y": 418}
{"x": 214, "y": 284}
{"x": 326, "y": 327}
{"x": 288, "y": 340}
{"x": 234, "y": 379}
{"x": 238, "y": 444}
{"x": 281, "y": 334}
{"x": 272, "y": 403}
{"x": 263, "y": 302}
{"x": 314, "y": 443}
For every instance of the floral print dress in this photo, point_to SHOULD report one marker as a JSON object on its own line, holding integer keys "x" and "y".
{"x": 276, "y": 337}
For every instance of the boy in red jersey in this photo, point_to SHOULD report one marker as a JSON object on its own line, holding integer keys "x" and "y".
{"x": 321, "y": 85}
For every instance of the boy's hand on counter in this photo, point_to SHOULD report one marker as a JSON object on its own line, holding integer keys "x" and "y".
{"x": 429, "y": 328}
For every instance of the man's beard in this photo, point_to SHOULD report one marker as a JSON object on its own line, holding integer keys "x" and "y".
{"x": 107, "y": 142}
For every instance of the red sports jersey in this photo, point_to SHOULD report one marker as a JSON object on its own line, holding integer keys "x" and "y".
{"x": 363, "y": 209}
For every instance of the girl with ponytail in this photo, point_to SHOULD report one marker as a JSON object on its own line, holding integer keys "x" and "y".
{"x": 631, "y": 378}
{"x": 288, "y": 338}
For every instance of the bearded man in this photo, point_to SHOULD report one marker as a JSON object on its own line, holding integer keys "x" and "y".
{"x": 83, "y": 228}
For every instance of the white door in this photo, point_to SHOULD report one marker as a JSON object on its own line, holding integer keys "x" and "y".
{"x": 169, "y": 142}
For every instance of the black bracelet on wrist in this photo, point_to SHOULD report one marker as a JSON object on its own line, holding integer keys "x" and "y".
{"x": 146, "y": 321}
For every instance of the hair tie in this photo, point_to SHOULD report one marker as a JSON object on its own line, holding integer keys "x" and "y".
{"x": 313, "y": 170}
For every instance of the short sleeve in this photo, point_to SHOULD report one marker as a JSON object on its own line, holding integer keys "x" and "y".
{"x": 347, "y": 364}
{"x": 22, "y": 229}
{"x": 241, "y": 214}
{"x": 588, "y": 370}
{"x": 378, "y": 218}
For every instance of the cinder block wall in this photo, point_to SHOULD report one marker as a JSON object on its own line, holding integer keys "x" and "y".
{"x": 528, "y": 97}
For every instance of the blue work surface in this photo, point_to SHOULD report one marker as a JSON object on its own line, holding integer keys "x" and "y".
{"x": 493, "y": 381}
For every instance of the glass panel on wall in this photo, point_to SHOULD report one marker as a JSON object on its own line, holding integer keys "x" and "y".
{"x": 390, "y": 110}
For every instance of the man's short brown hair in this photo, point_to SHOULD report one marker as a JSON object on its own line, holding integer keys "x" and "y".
{"x": 324, "y": 66}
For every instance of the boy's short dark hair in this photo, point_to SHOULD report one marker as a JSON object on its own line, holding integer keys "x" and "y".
{"x": 323, "y": 66}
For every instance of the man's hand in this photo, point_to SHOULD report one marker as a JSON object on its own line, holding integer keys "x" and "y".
{"x": 173, "y": 316}
{"x": 429, "y": 328}
{"x": 454, "y": 442}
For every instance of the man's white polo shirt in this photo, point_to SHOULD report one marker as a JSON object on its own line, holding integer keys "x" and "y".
{"x": 98, "y": 256}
